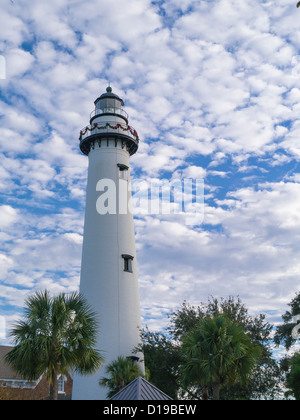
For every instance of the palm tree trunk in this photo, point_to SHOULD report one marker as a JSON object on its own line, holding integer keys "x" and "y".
{"x": 216, "y": 390}
{"x": 122, "y": 383}
{"x": 205, "y": 394}
{"x": 53, "y": 387}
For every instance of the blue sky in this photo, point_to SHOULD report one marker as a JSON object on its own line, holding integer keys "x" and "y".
{"x": 213, "y": 89}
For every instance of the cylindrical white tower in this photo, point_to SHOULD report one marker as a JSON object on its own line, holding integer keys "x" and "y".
{"x": 109, "y": 278}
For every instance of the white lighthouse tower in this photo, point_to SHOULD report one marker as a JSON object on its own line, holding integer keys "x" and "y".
{"x": 109, "y": 278}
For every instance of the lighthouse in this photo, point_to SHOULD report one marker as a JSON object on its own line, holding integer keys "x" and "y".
{"x": 109, "y": 277}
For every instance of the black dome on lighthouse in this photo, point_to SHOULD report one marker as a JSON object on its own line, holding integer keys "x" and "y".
{"x": 109, "y": 94}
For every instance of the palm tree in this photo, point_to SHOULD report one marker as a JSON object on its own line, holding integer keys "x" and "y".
{"x": 217, "y": 351}
{"x": 57, "y": 336}
{"x": 120, "y": 372}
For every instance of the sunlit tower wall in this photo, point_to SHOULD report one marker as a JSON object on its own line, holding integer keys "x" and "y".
{"x": 109, "y": 276}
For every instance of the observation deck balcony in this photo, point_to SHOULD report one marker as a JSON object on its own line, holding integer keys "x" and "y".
{"x": 96, "y": 131}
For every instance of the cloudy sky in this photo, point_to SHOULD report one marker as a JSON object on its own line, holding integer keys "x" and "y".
{"x": 213, "y": 89}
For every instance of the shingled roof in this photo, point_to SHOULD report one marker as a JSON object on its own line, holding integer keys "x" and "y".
{"x": 140, "y": 389}
{"x": 6, "y": 372}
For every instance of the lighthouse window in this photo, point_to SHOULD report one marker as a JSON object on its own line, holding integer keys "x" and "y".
{"x": 123, "y": 171}
{"x": 127, "y": 263}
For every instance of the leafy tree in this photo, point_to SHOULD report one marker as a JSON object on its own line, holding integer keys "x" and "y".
{"x": 217, "y": 351}
{"x": 265, "y": 382}
{"x": 120, "y": 372}
{"x": 267, "y": 376}
{"x": 285, "y": 336}
{"x": 284, "y": 331}
{"x": 162, "y": 359}
{"x": 293, "y": 377}
{"x": 184, "y": 319}
{"x": 57, "y": 335}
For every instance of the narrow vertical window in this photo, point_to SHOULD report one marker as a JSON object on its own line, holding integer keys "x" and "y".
{"x": 123, "y": 171}
{"x": 127, "y": 262}
{"x": 61, "y": 384}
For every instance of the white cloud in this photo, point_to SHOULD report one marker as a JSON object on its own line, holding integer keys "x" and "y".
{"x": 74, "y": 237}
{"x": 18, "y": 62}
{"x": 253, "y": 255}
{"x": 50, "y": 21}
{"x": 194, "y": 172}
{"x": 5, "y": 264}
{"x": 13, "y": 28}
{"x": 8, "y": 216}
{"x": 13, "y": 296}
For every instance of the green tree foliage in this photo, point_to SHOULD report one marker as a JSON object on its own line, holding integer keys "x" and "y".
{"x": 120, "y": 373}
{"x": 184, "y": 319}
{"x": 293, "y": 377}
{"x": 267, "y": 378}
{"x": 265, "y": 381}
{"x": 284, "y": 331}
{"x": 217, "y": 352}
{"x": 57, "y": 336}
{"x": 284, "y": 336}
{"x": 162, "y": 359}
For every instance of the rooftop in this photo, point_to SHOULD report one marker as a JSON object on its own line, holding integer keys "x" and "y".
{"x": 6, "y": 372}
{"x": 140, "y": 389}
